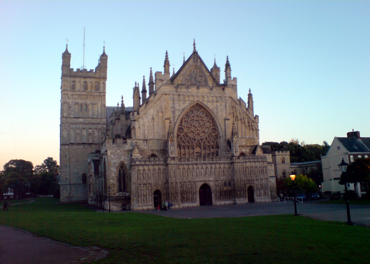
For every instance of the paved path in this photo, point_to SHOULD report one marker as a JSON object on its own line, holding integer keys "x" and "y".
{"x": 18, "y": 246}
{"x": 360, "y": 214}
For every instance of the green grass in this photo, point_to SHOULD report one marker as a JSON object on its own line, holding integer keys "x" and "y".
{"x": 141, "y": 238}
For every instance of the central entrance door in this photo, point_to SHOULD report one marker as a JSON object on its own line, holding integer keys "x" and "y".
{"x": 157, "y": 198}
{"x": 205, "y": 195}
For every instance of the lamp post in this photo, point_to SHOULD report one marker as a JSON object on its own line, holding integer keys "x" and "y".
{"x": 292, "y": 177}
{"x": 109, "y": 197}
{"x": 343, "y": 168}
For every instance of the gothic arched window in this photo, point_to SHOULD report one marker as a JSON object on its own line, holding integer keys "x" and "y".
{"x": 121, "y": 180}
{"x": 96, "y": 86}
{"x": 85, "y": 86}
{"x": 197, "y": 134}
{"x": 73, "y": 86}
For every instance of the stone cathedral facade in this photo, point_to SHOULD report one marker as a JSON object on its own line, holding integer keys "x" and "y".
{"x": 188, "y": 140}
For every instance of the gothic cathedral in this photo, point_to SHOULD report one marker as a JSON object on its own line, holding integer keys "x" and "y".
{"x": 188, "y": 140}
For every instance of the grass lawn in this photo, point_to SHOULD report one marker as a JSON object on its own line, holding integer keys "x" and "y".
{"x": 141, "y": 238}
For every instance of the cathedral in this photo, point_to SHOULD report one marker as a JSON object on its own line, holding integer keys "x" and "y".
{"x": 187, "y": 139}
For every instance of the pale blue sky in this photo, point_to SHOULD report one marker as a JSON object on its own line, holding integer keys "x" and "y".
{"x": 307, "y": 62}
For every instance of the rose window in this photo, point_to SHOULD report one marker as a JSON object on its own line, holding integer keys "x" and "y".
{"x": 197, "y": 134}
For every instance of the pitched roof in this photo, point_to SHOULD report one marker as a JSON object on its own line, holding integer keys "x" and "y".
{"x": 353, "y": 144}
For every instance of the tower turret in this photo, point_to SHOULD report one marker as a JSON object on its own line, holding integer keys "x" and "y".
{"x": 103, "y": 64}
{"x": 227, "y": 71}
{"x": 215, "y": 71}
{"x": 151, "y": 82}
{"x": 136, "y": 98}
{"x": 143, "y": 90}
{"x": 66, "y": 61}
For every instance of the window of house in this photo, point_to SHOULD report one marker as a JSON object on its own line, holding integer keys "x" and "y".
{"x": 229, "y": 184}
{"x": 73, "y": 86}
{"x": 284, "y": 174}
{"x": 338, "y": 148}
{"x": 225, "y": 184}
{"x": 366, "y": 156}
{"x": 283, "y": 160}
{"x": 359, "y": 156}
{"x": 351, "y": 158}
{"x": 85, "y": 86}
{"x": 96, "y": 86}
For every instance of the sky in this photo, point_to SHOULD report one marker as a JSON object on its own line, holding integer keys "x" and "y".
{"x": 306, "y": 62}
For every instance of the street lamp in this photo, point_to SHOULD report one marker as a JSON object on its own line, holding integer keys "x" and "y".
{"x": 109, "y": 197}
{"x": 292, "y": 177}
{"x": 343, "y": 168}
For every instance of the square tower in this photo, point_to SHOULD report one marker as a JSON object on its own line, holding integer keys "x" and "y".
{"x": 82, "y": 124}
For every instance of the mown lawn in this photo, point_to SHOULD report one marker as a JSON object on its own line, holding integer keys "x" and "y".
{"x": 141, "y": 238}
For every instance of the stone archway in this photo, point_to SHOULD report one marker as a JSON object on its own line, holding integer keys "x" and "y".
{"x": 157, "y": 198}
{"x": 205, "y": 195}
{"x": 250, "y": 194}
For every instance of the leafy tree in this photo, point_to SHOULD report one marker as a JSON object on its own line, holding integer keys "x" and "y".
{"x": 358, "y": 171}
{"x": 302, "y": 182}
{"x": 300, "y": 152}
{"x": 48, "y": 172}
{"x": 17, "y": 175}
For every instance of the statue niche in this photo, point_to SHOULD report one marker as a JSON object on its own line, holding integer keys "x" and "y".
{"x": 197, "y": 134}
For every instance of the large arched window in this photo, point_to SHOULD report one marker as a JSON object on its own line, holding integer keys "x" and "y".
{"x": 121, "y": 180}
{"x": 197, "y": 134}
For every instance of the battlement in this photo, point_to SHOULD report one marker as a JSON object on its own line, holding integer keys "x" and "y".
{"x": 286, "y": 152}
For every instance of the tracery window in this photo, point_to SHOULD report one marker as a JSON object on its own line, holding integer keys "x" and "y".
{"x": 121, "y": 180}
{"x": 197, "y": 134}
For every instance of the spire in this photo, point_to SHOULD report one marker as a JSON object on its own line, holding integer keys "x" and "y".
{"x": 215, "y": 71}
{"x": 143, "y": 90}
{"x": 66, "y": 52}
{"x": 173, "y": 72}
{"x": 166, "y": 64}
{"x": 183, "y": 60}
{"x": 103, "y": 54}
{"x": 227, "y": 70}
{"x": 151, "y": 82}
{"x": 194, "y": 48}
{"x": 250, "y": 101}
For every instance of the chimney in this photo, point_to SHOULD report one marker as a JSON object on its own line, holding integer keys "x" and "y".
{"x": 355, "y": 134}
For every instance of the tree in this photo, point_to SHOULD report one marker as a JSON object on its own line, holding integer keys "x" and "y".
{"x": 48, "y": 172}
{"x": 17, "y": 175}
{"x": 302, "y": 182}
{"x": 358, "y": 171}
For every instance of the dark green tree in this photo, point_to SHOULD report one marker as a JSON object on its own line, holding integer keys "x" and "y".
{"x": 17, "y": 175}
{"x": 302, "y": 183}
{"x": 358, "y": 171}
{"x": 48, "y": 172}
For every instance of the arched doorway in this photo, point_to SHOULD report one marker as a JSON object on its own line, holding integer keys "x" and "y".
{"x": 157, "y": 198}
{"x": 205, "y": 195}
{"x": 250, "y": 194}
